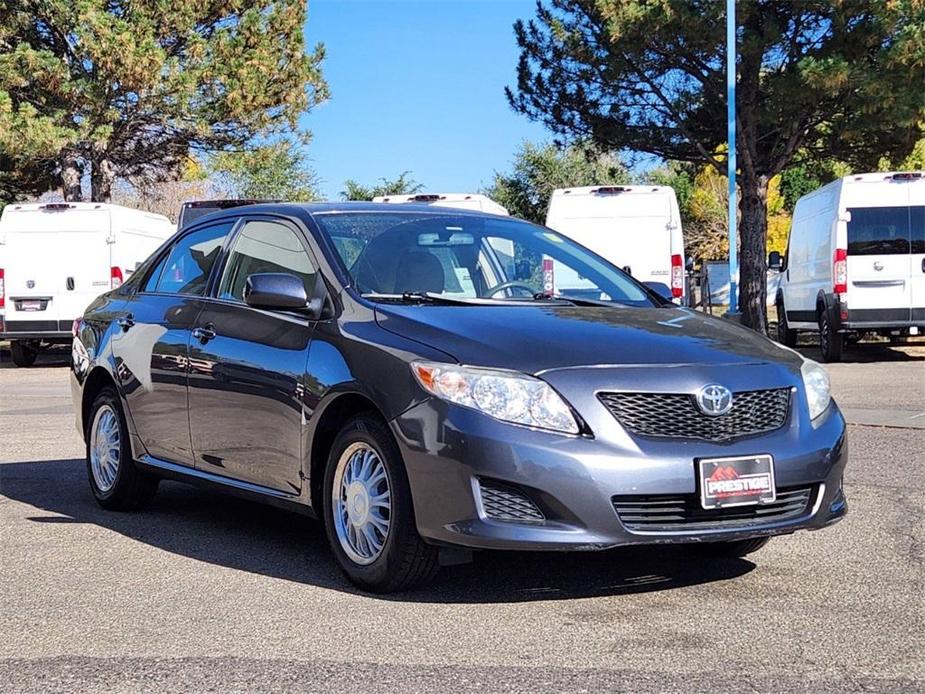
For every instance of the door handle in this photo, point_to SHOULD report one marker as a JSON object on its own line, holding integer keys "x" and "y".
{"x": 205, "y": 333}
{"x": 126, "y": 322}
{"x": 923, "y": 264}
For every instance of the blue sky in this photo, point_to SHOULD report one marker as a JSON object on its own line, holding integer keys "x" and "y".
{"x": 416, "y": 85}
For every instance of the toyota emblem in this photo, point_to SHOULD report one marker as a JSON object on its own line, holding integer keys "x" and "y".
{"x": 714, "y": 400}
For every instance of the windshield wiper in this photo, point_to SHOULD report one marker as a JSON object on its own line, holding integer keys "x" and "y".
{"x": 422, "y": 298}
{"x": 580, "y": 301}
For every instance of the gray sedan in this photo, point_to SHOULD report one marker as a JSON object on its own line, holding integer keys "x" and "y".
{"x": 430, "y": 382}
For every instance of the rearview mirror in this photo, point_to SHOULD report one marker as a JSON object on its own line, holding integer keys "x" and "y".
{"x": 275, "y": 290}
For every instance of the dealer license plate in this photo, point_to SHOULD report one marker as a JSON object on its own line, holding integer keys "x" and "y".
{"x": 742, "y": 481}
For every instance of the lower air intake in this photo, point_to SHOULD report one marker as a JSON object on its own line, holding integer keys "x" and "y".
{"x": 504, "y": 502}
{"x": 669, "y": 513}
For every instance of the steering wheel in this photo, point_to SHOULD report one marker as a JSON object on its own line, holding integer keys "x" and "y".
{"x": 509, "y": 285}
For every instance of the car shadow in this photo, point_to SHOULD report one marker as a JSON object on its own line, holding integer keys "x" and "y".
{"x": 248, "y": 536}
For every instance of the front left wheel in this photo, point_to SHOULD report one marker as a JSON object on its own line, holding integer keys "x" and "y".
{"x": 116, "y": 482}
{"x": 369, "y": 518}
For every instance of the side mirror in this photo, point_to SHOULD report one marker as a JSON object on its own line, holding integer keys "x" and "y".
{"x": 689, "y": 264}
{"x": 775, "y": 261}
{"x": 660, "y": 288}
{"x": 275, "y": 290}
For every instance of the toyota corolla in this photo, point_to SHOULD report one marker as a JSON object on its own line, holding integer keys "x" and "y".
{"x": 429, "y": 382}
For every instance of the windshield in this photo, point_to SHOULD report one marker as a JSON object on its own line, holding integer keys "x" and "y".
{"x": 471, "y": 257}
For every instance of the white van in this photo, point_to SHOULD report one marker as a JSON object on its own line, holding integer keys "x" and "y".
{"x": 855, "y": 261}
{"x": 55, "y": 258}
{"x": 463, "y": 201}
{"x": 637, "y": 228}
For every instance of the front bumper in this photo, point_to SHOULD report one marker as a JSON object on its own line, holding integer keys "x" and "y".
{"x": 573, "y": 480}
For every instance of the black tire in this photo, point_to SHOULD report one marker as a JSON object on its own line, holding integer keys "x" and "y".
{"x": 733, "y": 548}
{"x": 405, "y": 560}
{"x": 785, "y": 335}
{"x": 23, "y": 354}
{"x": 131, "y": 488}
{"x": 831, "y": 343}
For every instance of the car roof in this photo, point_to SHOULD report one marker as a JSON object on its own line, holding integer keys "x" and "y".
{"x": 299, "y": 209}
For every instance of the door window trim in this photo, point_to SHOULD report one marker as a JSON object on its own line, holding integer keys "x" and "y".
{"x": 165, "y": 254}
{"x": 218, "y": 270}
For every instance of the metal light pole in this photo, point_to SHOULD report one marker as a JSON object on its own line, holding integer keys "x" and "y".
{"x": 731, "y": 152}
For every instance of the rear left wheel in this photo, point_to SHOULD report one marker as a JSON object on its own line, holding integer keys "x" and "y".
{"x": 831, "y": 342}
{"x": 23, "y": 353}
{"x": 369, "y": 517}
{"x": 116, "y": 482}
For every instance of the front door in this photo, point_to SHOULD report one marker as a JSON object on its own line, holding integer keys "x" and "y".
{"x": 152, "y": 343}
{"x": 247, "y": 366}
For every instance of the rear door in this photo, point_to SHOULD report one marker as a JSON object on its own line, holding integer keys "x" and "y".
{"x": 152, "y": 347}
{"x": 879, "y": 282}
{"x": 247, "y": 365}
{"x": 917, "y": 265}
{"x": 631, "y": 229}
{"x": 57, "y": 262}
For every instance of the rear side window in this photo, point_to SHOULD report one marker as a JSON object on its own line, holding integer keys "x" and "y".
{"x": 265, "y": 247}
{"x": 879, "y": 231}
{"x": 190, "y": 261}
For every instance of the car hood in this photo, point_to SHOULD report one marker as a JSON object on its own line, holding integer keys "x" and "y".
{"x": 536, "y": 338}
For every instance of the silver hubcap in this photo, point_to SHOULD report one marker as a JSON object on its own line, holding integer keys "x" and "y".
{"x": 362, "y": 503}
{"x": 105, "y": 448}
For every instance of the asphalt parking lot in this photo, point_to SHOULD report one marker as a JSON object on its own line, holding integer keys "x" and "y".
{"x": 202, "y": 592}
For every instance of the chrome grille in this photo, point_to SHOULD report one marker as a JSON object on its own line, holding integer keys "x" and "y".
{"x": 667, "y": 513}
{"x": 508, "y": 503}
{"x": 676, "y": 415}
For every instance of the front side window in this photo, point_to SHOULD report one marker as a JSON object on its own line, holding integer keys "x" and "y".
{"x": 265, "y": 247}
{"x": 879, "y": 231}
{"x": 191, "y": 260}
{"x": 472, "y": 257}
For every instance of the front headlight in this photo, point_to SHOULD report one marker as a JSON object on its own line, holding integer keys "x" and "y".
{"x": 817, "y": 386}
{"x": 506, "y": 395}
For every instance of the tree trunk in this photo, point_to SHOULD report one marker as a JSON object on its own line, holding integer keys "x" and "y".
{"x": 102, "y": 178}
{"x": 753, "y": 266}
{"x": 71, "y": 175}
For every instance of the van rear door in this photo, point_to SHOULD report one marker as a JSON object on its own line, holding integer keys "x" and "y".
{"x": 630, "y": 228}
{"x": 917, "y": 265}
{"x": 58, "y": 261}
{"x": 879, "y": 287}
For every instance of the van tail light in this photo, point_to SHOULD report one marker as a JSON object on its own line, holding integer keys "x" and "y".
{"x": 115, "y": 277}
{"x": 677, "y": 276}
{"x": 2, "y": 289}
{"x": 840, "y": 271}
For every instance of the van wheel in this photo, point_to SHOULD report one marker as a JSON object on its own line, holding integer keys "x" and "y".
{"x": 785, "y": 335}
{"x": 368, "y": 514}
{"x": 732, "y": 549}
{"x": 831, "y": 343}
{"x": 115, "y": 480}
{"x": 23, "y": 353}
